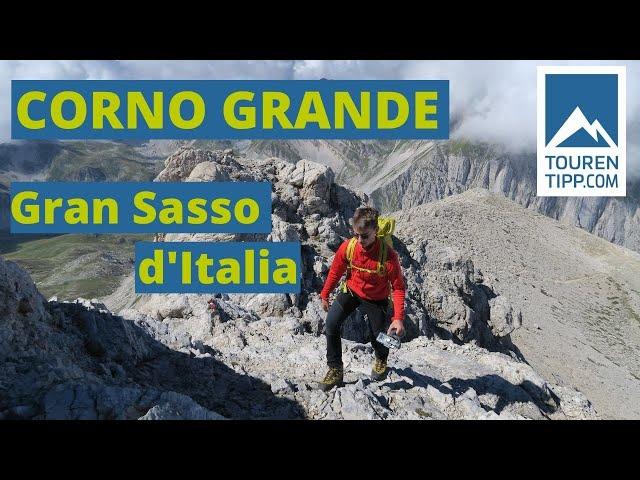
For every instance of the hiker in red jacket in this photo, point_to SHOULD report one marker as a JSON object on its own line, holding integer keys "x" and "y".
{"x": 367, "y": 289}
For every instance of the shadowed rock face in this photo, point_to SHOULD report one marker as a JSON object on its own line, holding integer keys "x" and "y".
{"x": 79, "y": 361}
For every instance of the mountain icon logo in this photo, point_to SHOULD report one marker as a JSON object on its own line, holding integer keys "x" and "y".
{"x": 581, "y": 131}
{"x": 578, "y": 130}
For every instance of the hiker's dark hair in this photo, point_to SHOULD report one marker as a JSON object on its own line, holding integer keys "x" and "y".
{"x": 366, "y": 217}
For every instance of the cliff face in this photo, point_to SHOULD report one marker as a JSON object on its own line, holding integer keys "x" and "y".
{"x": 402, "y": 174}
{"x": 454, "y": 167}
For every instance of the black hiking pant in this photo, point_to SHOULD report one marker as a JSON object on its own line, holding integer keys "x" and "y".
{"x": 341, "y": 308}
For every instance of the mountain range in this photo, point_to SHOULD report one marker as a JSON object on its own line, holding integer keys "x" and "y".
{"x": 397, "y": 174}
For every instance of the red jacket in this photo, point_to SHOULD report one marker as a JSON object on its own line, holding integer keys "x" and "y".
{"x": 369, "y": 286}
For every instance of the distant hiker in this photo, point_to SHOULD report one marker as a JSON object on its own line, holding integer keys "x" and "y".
{"x": 373, "y": 272}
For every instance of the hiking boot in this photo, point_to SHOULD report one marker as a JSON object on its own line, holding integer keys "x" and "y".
{"x": 379, "y": 370}
{"x": 331, "y": 379}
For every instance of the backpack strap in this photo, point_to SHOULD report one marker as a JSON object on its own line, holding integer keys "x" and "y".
{"x": 382, "y": 258}
{"x": 381, "y": 268}
{"x": 351, "y": 247}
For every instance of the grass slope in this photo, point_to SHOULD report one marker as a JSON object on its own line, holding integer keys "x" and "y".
{"x": 72, "y": 266}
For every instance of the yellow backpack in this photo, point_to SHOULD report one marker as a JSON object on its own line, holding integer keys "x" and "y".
{"x": 386, "y": 227}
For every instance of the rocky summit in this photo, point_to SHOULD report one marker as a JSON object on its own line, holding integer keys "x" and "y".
{"x": 260, "y": 355}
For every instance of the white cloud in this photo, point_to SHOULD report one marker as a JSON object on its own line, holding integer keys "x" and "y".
{"x": 494, "y": 100}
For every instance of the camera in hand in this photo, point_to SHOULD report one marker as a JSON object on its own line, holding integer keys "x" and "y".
{"x": 389, "y": 341}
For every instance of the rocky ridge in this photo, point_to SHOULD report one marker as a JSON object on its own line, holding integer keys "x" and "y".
{"x": 168, "y": 356}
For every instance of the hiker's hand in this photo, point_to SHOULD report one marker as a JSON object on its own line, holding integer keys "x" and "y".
{"x": 325, "y": 305}
{"x": 397, "y": 326}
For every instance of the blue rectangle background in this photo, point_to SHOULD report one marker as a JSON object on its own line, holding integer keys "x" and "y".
{"x": 124, "y": 192}
{"x": 214, "y": 93}
{"x": 172, "y": 272}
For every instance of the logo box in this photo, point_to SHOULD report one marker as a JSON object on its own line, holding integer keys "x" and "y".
{"x": 581, "y": 132}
